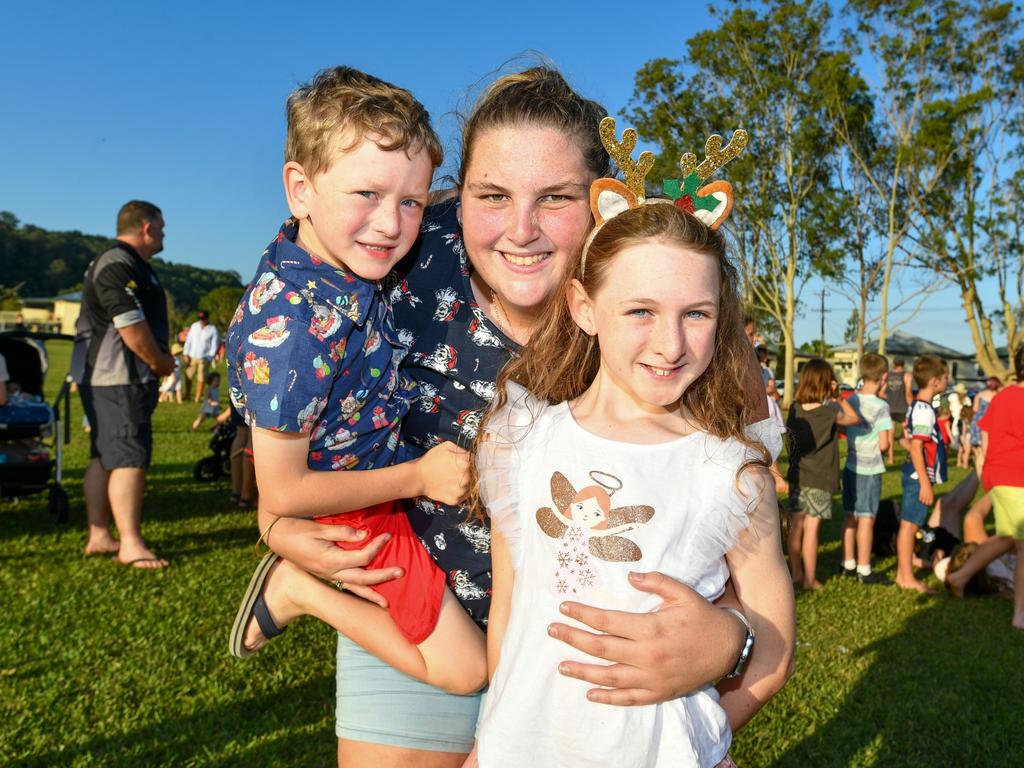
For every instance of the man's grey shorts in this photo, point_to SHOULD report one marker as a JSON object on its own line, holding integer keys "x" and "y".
{"x": 121, "y": 423}
{"x": 380, "y": 705}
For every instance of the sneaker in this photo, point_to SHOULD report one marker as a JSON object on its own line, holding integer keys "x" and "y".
{"x": 844, "y": 571}
{"x": 872, "y": 578}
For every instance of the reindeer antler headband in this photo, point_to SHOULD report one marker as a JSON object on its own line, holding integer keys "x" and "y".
{"x": 710, "y": 203}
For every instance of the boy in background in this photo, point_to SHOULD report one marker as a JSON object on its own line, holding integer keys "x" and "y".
{"x": 862, "y": 475}
{"x": 925, "y": 466}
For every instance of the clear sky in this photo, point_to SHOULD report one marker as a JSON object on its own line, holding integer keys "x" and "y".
{"x": 182, "y": 103}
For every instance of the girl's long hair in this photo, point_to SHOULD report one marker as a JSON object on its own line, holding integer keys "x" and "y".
{"x": 561, "y": 361}
{"x": 815, "y": 383}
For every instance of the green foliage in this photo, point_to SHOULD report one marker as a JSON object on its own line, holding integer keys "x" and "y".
{"x": 46, "y": 263}
{"x": 220, "y": 303}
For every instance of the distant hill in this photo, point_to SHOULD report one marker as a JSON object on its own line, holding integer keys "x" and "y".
{"x": 52, "y": 263}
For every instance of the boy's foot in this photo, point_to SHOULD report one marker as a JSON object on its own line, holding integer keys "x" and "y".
{"x": 872, "y": 578}
{"x": 267, "y": 607}
{"x": 915, "y": 586}
{"x": 844, "y": 571}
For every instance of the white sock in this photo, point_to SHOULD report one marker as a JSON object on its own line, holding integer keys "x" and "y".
{"x": 850, "y": 564}
{"x": 864, "y": 570}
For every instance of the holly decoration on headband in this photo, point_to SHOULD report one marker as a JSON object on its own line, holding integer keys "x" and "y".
{"x": 713, "y": 202}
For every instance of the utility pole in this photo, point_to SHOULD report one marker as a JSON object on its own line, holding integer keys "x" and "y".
{"x": 822, "y": 311}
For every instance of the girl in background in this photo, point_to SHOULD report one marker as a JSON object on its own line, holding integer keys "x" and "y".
{"x": 813, "y": 464}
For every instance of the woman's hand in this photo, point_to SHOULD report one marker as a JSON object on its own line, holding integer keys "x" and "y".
{"x": 656, "y": 656}
{"x": 444, "y": 473}
{"x": 311, "y": 546}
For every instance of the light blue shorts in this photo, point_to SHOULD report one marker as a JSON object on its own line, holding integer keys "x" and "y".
{"x": 380, "y": 705}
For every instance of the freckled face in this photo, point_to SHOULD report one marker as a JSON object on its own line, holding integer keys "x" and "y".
{"x": 525, "y": 212}
{"x": 655, "y": 318}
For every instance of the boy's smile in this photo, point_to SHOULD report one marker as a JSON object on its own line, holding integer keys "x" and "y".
{"x": 364, "y": 212}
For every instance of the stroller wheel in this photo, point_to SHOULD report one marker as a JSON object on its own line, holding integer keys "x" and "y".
{"x": 207, "y": 469}
{"x": 58, "y": 504}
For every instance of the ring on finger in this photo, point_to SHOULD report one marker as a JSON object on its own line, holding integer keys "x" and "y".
{"x": 340, "y": 585}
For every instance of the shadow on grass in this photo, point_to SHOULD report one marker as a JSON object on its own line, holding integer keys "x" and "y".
{"x": 256, "y": 730}
{"x": 941, "y": 692}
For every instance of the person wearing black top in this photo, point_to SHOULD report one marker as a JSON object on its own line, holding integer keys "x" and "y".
{"x": 120, "y": 354}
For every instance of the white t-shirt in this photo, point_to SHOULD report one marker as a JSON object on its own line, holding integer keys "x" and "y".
{"x": 674, "y": 507}
{"x": 865, "y": 457}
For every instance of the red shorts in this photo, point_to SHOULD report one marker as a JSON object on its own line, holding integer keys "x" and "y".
{"x": 414, "y": 599}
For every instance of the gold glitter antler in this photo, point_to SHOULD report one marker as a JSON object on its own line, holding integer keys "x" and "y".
{"x": 714, "y": 156}
{"x": 621, "y": 153}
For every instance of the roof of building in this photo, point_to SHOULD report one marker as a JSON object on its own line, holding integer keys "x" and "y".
{"x": 904, "y": 344}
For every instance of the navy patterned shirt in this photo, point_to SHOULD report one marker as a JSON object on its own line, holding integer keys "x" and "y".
{"x": 455, "y": 356}
{"x": 312, "y": 349}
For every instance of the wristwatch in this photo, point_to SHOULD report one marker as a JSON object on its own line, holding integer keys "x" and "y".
{"x": 748, "y": 644}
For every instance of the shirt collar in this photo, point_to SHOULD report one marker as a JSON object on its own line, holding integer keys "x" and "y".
{"x": 343, "y": 290}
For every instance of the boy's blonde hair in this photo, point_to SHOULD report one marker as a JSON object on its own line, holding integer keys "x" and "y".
{"x": 344, "y": 103}
{"x": 926, "y": 368}
{"x": 873, "y": 366}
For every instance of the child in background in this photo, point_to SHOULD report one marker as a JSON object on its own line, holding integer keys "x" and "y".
{"x": 211, "y": 405}
{"x": 617, "y": 443}
{"x": 170, "y": 387}
{"x": 813, "y": 464}
{"x": 963, "y": 454}
{"x": 925, "y": 466}
{"x": 862, "y": 475}
{"x": 945, "y": 422}
{"x": 313, "y": 355}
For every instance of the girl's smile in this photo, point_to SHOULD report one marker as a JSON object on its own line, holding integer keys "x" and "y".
{"x": 655, "y": 317}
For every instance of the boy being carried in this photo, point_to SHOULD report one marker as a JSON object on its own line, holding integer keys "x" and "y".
{"x": 925, "y": 466}
{"x": 862, "y": 475}
{"x": 313, "y": 359}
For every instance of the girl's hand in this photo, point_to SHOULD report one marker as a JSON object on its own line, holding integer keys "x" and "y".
{"x": 444, "y": 473}
{"x": 656, "y": 656}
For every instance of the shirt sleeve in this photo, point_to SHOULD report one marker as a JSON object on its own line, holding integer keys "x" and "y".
{"x": 884, "y": 420}
{"x": 116, "y": 284}
{"x": 922, "y": 422}
{"x": 499, "y": 459}
{"x": 287, "y": 372}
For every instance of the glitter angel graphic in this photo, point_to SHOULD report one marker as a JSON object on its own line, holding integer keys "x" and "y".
{"x": 587, "y": 526}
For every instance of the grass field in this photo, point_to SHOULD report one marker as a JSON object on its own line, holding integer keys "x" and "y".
{"x": 105, "y": 666}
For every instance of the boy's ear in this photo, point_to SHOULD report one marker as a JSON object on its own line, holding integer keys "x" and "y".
{"x": 297, "y": 187}
{"x": 580, "y": 307}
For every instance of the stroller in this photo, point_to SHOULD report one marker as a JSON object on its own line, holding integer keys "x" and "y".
{"x": 219, "y": 464}
{"x": 31, "y": 439}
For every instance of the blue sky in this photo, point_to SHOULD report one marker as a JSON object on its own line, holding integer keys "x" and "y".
{"x": 183, "y": 103}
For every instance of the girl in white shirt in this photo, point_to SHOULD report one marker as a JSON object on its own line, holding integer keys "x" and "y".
{"x": 617, "y": 444}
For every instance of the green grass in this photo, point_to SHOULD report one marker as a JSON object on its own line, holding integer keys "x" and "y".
{"x": 106, "y": 666}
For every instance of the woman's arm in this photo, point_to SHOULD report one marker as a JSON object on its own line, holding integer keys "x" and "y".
{"x": 765, "y": 591}
{"x": 656, "y": 656}
{"x": 288, "y": 488}
{"x": 312, "y": 546}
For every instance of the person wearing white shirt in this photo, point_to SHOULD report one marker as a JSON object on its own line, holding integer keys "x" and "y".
{"x": 200, "y": 350}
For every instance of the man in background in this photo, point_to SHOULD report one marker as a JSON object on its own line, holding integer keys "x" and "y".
{"x": 120, "y": 354}
{"x": 200, "y": 350}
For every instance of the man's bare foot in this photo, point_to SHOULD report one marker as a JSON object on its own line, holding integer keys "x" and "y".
{"x": 107, "y": 546}
{"x": 915, "y": 585}
{"x": 140, "y": 557}
{"x": 281, "y": 584}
